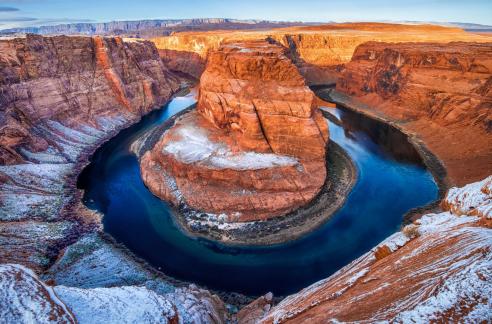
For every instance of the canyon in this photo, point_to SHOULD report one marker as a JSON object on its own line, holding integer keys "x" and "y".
{"x": 61, "y": 97}
{"x": 256, "y": 129}
{"x": 320, "y": 51}
{"x": 440, "y": 92}
{"x": 255, "y": 147}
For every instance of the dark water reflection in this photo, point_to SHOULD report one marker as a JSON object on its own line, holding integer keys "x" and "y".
{"x": 391, "y": 181}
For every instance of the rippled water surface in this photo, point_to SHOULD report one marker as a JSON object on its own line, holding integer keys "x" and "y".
{"x": 391, "y": 181}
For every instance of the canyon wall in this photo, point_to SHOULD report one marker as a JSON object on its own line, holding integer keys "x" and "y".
{"x": 440, "y": 92}
{"x": 319, "y": 51}
{"x": 255, "y": 146}
{"x": 437, "y": 269}
{"x": 60, "y": 97}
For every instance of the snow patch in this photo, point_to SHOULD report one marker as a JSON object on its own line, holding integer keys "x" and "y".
{"x": 194, "y": 146}
{"x": 472, "y": 199}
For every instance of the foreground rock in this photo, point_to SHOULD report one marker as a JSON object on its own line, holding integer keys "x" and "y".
{"x": 255, "y": 146}
{"x": 437, "y": 269}
{"x": 25, "y": 298}
{"x": 440, "y": 92}
{"x": 60, "y": 98}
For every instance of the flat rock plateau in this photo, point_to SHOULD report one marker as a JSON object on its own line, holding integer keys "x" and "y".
{"x": 61, "y": 97}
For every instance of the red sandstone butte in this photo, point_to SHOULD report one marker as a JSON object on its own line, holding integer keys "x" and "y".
{"x": 255, "y": 146}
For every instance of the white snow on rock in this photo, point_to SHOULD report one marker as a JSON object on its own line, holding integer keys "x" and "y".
{"x": 394, "y": 242}
{"x": 38, "y": 189}
{"x": 194, "y": 146}
{"x": 93, "y": 262}
{"x": 472, "y": 199}
{"x": 444, "y": 273}
{"x": 467, "y": 287}
{"x": 116, "y": 305}
{"x": 26, "y": 299}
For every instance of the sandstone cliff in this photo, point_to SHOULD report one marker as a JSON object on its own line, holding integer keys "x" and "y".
{"x": 319, "y": 51}
{"x": 437, "y": 269}
{"x": 255, "y": 147}
{"x": 441, "y": 92}
{"x": 60, "y": 97}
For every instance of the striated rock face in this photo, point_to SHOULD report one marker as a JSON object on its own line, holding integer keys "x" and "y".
{"x": 254, "y": 148}
{"x": 319, "y": 51}
{"x": 60, "y": 97}
{"x": 25, "y": 298}
{"x": 437, "y": 269}
{"x": 189, "y": 63}
{"x": 442, "y": 92}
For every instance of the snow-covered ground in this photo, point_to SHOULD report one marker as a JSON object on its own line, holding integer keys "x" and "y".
{"x": 37, "y": 189}
{"x": 24, "y": 298}
{"x": 442, "y": 272}
{"x": 193, "y": 145}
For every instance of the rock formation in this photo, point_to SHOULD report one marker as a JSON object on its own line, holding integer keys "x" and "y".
{"x": 319, "y": 51}
{"x": 437, "y": 269}
{"x": 255, "y": 146}
{"x": 60, "y": 97}
{"x": 26, "y": 298}
{"x": 441, "y": 92}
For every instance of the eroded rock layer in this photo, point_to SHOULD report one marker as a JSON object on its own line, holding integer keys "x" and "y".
{"x": 437, "y": 269}
{"x": 319, "y": 51}
{"x": 255, "y": 146}
{"x": 441, "y": 92}
{"x": 60, "y": 97}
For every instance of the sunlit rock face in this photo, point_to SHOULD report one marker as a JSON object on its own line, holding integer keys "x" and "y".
{"x": 60, "y": 97}
{"x": 319, "y": 52}
{"x": 255, "y": 146}
{"x": 441, "y": 92}
{"x": 437, "y": 269}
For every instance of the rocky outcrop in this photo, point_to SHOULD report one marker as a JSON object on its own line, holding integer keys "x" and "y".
{"x": 437, "y": 269}
{"x": 26, "y": 298}
{"x": 189, "y": 63}
{"x": 60, "y": 97}
{"x": 321, "y": 51}
{"x": 255, "y": 146}
{"x": 440, "y": 92}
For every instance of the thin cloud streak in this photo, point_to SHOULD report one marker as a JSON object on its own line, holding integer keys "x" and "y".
{"x": 8, "y": 9}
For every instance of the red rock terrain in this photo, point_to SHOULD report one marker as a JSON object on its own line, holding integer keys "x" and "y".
{"x": 440, "y": 92}
{"x": 437, "y": 269}
{"x": 60, "y": 97}
{"x": 319, "y": 51}
{"x": 254, "y": 148}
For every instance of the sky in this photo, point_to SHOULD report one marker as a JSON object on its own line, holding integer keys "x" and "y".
{"x": 22, "y": 13}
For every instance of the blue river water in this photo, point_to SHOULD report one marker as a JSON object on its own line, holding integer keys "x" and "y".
{"x": 391, "y": 180}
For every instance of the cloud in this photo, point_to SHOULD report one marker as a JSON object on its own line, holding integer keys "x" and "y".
{"x": 17, "y": 19}
{"x": 23, "y": 22}
{"x": 8, "y": 9}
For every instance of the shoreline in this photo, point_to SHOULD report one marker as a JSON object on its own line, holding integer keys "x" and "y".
{"x": 430, "y": 160}
{"x": 341, "y": 178}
